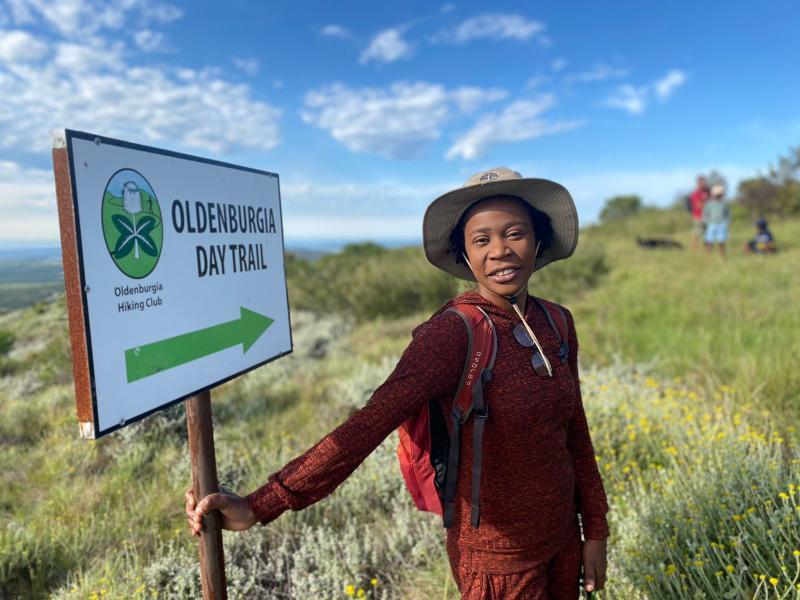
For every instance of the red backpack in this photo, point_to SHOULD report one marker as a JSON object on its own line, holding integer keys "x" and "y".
{"x": 428, "y": 453}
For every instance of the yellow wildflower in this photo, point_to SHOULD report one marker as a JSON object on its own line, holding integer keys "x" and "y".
{"x": 373, "y": 581}
{"x": 773, "y": 581}
{"x": 350, "y": 590}
{"x": 361, "y": 593}
{"x": 729, "y": 568}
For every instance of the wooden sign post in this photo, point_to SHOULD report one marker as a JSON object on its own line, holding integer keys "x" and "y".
{"x": 204, "y": 482}
{"x": 175, "y": 283}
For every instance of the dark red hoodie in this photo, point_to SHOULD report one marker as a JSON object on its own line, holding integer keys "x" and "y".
{"x": 539, "y": 469}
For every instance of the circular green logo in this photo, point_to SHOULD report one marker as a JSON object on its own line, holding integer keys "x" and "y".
{"x": 132, "y": 223}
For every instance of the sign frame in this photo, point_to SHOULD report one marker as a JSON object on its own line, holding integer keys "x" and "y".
{"x": 75, "y": 278}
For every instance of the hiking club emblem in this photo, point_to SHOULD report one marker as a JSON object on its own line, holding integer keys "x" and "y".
{"x": 132, "y": 224}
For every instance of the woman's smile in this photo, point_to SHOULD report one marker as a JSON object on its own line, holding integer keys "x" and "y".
{"x": 504, "y": 275}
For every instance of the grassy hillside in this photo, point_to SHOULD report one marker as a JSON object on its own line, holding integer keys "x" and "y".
{"x": 24, "y": 282}
{"x": 732, "y": 320}
{"x": 688, "y": 383}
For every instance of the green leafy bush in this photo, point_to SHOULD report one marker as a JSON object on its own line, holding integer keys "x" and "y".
{"x": 6, "y": 342}
{"x": 777, "y": 193}
{"x": 567, "y": 279}
{"x": 620, "y": 207}
{"x": 365, "y": 282}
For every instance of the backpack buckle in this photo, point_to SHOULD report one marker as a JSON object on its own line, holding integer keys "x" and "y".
{"x": 482, "y": 414}
{"x": 563, "y": 352}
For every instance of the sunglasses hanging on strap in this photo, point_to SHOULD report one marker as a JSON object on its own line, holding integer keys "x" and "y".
{"x": 525, "y": 337}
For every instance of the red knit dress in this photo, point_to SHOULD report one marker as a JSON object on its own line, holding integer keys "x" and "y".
{"x": 539, "y": 470}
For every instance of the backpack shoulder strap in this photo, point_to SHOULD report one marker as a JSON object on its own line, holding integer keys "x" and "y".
{"x": 481, "y": 352}
{"x": 559, "y": 324}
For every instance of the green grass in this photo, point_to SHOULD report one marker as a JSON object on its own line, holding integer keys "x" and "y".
{"x": 20, "y": 295}
{"x": 712, "y": 319}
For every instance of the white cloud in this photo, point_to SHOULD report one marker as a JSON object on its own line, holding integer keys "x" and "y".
{"x": 79, "y": 18}
{"x": 149, "y": 41}
{"x": 469, "y": 99}
{"x": 27, "y": 202}
{"x": 249, "y": 66}
{"x": 629, "y": 98}
{"x": 336, "y": 211}
{"x": 22, "y": 186}
{"x": 162, "y": 13}
{"x": 396, "y": 122}
{"x": 87, "y": 84}
{"x": 558, "y": 64}
{"x": 520, "y": 120}
{"x": 386, "y": 47}
{"x": 599, "y": 72}
{"x": 634, "y": 99}
{"x": 307, "y": 195}
{"x": 536, "y": 81}
{"x": 20, "y": 46}
{"x": 655, "y": 187}
{"x": 336, "y": 31}
{"x": 493, "y": 26}
{"x": 310, "y": 230}
{"x": 669, "y": 83}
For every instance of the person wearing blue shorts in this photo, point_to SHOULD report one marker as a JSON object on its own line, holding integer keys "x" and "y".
{"x": 716, "y": 218}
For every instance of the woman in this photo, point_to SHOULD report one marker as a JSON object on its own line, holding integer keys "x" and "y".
{"x": 538, "y": 467}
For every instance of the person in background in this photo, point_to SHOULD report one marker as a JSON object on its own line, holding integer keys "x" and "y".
{"x": 764, "y": 242}
{"x": 716, "y": 218}
{"x": 697, "y": 200}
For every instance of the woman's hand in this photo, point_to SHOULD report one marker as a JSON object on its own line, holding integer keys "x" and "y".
{"x": 236, "y": 512}
{"x": 594, "y": 565}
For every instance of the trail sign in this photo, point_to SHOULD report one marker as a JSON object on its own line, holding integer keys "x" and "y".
{"x": 174, "y": 274}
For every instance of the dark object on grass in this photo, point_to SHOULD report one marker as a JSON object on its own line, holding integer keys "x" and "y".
{"x": 658, "y": 243}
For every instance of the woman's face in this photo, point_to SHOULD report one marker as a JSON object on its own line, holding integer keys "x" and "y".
{"x": 500, "y": 244}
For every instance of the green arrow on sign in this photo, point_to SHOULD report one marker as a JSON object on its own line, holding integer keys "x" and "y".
{"x": 143, "y": 361}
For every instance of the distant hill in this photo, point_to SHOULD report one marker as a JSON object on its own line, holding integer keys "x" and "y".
{"x": 28, "y": 275}
{"x": 32, "y": 253}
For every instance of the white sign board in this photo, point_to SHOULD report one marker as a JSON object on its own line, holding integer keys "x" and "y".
{"x": 182, "y": 274}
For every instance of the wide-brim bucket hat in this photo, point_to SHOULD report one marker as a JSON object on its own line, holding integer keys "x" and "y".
{"x": 544, "y": 195}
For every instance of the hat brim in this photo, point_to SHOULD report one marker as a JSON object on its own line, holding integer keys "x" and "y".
{"x": 544, "y": 195}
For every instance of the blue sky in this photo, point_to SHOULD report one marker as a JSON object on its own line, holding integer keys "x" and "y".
{"x": 370, "y": 110}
